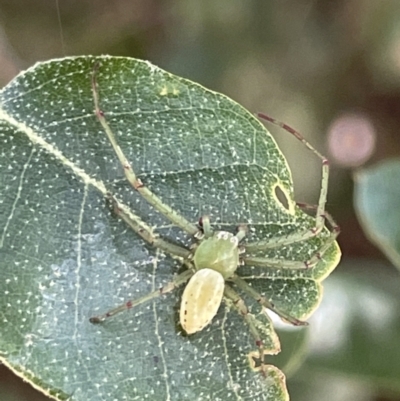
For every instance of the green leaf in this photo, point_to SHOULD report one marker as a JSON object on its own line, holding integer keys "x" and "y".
{"x": 377, "y": 201}
{"x": 65, "y": 257}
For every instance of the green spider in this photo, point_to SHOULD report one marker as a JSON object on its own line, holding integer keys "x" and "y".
{"x": 213, "y": 259}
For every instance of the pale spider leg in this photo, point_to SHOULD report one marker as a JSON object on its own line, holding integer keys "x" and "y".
{"x": 136, "y": 183}
{"x": 275, "y": 263}
{"x": 205, "y": 223}
{"x": 335, "y": 231}
{"x": 179, "y": 280}
{"x": 264, "y": 301}
{"x": 242, "y": 232}
{"x": 291, "y": 264}
{"x": 242, "y": 309}
{"x": 146, "y": 233}
{"x": 320, "y": 213}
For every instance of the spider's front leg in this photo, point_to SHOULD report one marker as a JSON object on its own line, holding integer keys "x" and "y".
{"x": 320, "y": 215}
{"x": 293, "y": 264}
{"x": 145, "y": 231}
{"x": 130, "y": 174}
{"x": 334, "y": 232}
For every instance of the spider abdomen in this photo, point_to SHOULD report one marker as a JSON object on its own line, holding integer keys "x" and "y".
{"x": 201, "y": 300}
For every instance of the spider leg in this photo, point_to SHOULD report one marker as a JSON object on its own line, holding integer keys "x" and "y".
{"x": 205, "y": 223}
{"x": 289, "y": 264}
{"x": 334, "y": 232}
{"x": 179, "y": 280}
{"x": 276, "y": 263}
{"x": 136, "y": 183}
{"x": 241, "y": 308}
{"x": 146, "y": 232}
{"x": 320, "y": 212}
{"x": 265, "y": 302}
{"x": 241, "y": 232}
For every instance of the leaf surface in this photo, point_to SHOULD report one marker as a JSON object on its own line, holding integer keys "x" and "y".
{"x": 64, "y": 256}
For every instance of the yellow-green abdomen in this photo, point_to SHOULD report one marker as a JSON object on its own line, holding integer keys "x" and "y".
{"x": 201, "y": 300}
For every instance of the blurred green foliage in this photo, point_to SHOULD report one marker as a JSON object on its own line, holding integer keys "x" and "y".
{"x": 377, "y": 202}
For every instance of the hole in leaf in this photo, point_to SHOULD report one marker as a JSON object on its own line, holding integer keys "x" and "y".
{"x": 281, "y": 197}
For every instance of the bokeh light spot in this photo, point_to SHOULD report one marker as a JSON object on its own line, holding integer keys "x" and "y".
{"x": 351, "y": 139}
